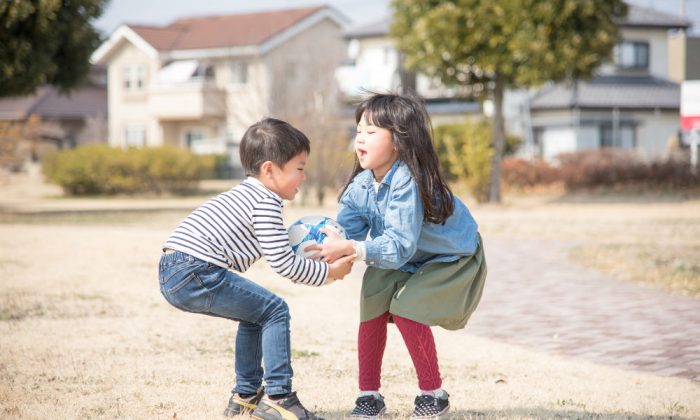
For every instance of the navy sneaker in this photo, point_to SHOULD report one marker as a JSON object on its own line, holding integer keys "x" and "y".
{"x": 430, "y": 407}
{"x": 368, "y": 407}
{"x": 238, "y": 405}
{"x": 287, "y": 408}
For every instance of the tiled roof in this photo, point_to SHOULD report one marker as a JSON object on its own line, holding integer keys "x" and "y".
{"x": 641, "y": 16}
{"x": 377, "y": 28}
{"x": 18, "y": 107}
{"x": 47, "y": 102}
{"x": 641, "y": 92}
{"x": 222, "y": 31}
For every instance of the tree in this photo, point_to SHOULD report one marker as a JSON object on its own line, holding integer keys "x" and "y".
{"x": 489, "y": 46}
{"x": 46, "y": 41}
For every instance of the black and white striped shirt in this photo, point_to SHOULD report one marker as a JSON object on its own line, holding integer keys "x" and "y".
{"x": 237, "y": 227}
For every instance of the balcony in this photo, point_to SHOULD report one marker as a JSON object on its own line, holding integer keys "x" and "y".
{"x": 191, "y": 100}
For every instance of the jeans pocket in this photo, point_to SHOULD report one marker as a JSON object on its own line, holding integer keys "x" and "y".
{"x": 190, "y": 294}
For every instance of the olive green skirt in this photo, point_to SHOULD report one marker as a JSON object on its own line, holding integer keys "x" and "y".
{"x": 439, "y": 294}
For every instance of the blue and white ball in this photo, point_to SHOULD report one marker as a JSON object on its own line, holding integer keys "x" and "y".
{"x": 307, "y": 231}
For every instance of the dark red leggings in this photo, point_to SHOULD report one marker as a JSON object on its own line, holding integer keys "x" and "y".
{"x": 371, "y": 341}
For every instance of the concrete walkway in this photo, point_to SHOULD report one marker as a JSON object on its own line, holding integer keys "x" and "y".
{"x": 537, "y": 298}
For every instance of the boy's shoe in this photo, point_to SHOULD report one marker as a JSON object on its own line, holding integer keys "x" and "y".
{"x": 288, "y": 408}
{"x": 368, "y": 407}
{"x": 430, "y": 407}
{"x": 238, "y": 405}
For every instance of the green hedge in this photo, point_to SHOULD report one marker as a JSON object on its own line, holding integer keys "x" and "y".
{"x": 99, "y": 169}
{"x": 465, "y": 151}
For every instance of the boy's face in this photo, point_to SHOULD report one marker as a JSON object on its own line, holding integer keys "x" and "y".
{"x": 286, "y": 180}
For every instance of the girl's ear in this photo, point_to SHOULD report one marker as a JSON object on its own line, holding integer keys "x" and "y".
{"x": 266, "y": 169}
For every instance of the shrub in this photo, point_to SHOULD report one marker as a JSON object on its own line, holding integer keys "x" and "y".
{"x": 99, "y": 169}
{"x": 606, "y": 168}
{"x": 465, "y": 152}
{"x": 520, "y": 173}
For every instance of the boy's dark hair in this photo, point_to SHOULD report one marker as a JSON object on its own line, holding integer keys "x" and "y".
{"x": 271, "y": 139}
{"x": 408, "y": 120}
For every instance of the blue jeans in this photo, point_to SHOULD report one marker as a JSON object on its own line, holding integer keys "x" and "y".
{"x": 193, "y": 285}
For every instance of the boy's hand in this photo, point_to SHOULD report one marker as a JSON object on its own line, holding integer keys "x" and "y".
{"x": 340, "y": 268}
{"x": 332, "y": 248}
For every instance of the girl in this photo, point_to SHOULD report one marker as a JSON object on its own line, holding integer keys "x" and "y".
{"x": 424, "y": 254}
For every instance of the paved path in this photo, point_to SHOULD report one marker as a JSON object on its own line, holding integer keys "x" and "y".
{"x": 537, "y": 298}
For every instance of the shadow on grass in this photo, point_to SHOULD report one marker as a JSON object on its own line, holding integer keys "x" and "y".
{"x": 520, "y": 413}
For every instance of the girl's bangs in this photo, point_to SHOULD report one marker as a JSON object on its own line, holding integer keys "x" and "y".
{"x": 376, "y": 109}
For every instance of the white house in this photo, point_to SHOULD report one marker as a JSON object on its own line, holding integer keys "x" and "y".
{"x": 630, "y": 103}
{"x": 374, "y": 64}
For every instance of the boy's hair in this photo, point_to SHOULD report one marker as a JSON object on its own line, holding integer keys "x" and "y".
{"x": 271, "y": 139}
{"x": 408, "y": 120}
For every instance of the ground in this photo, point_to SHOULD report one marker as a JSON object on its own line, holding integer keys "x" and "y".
{"x": 86, "y": 333}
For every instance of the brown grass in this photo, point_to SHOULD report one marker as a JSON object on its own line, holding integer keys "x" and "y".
{"x": 647, "y": 239}
{"x": 84, "y": 332}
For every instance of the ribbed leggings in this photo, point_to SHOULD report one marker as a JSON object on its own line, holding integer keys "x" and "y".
{"x": 371, "y": 342}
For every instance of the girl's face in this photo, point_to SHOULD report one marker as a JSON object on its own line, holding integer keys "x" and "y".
{"x": 374, "y": 147}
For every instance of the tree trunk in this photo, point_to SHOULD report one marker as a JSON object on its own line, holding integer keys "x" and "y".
{"x": 499, "y": 140}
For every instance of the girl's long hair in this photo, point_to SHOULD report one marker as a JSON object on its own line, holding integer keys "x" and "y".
{"x": 408, "y": 120}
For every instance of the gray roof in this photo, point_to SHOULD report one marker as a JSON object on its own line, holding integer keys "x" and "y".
{"x": 644, "y": 17}
{"x": 636, "y": 17}
{"x": 631, "y": 92}
{"x": 377, "y": 28}
{"x": 47, "y": 102}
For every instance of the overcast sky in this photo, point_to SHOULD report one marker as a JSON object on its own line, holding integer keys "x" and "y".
{"x": 161, "y": 12}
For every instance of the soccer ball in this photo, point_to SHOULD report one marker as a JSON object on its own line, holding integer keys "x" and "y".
{"x": 306, "y": 231}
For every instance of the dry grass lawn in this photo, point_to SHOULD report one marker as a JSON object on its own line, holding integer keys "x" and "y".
{"x": 84, "y": 332}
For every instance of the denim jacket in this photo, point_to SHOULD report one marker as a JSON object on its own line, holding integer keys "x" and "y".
{"x": 393, "y": 217}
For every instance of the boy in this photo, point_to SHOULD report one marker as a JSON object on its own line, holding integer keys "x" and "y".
{"x": 225, "y": 236}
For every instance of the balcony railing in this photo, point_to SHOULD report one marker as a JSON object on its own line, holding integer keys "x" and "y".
{"x": 190, "y": 100}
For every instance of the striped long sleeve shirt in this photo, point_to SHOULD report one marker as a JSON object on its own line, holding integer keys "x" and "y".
{"x": 238, "y": 227}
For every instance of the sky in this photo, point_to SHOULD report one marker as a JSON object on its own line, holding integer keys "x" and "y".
{"x": 162, "y": 12}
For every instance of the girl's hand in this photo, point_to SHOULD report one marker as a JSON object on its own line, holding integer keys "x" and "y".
{"x": 332, "y": 248}
{"x": 340, "y": 268}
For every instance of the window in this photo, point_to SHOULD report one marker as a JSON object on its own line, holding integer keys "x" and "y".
{"x": 239, "y": 72}
{"x": 192, "y": 136}
{"x": 134, "y": 77}
{"x": 632, "y": 55}
{"x": 625, "y": 138}
{"x": 135, "y": 135}
{"x": 204, "y": 71}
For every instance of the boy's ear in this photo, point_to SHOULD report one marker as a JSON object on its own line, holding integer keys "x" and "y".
{"x": 266, "y": 168}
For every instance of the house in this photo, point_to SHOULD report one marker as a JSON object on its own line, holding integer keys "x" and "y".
{"x": 630, "y": 103}
{"x": 52, "y": 120}
{"x": 199, "y": 82}
{"x": 374, "y": 64}
{"x": 684, "y": 57}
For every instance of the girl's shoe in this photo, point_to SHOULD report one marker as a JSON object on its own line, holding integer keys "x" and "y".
{"x": 368, "y": 407}
{"x": 430, "y": 407}
{"x": 287, "y": 408}
{"x": 238, "y": 405}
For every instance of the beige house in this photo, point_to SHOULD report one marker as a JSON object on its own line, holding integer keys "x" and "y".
{"x": 198, "y": 82}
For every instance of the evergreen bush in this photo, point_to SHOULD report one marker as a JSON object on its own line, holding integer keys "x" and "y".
{"x": 99, "y": 169}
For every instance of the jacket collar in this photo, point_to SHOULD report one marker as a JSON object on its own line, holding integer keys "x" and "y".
{"x": 368, "y": 176}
